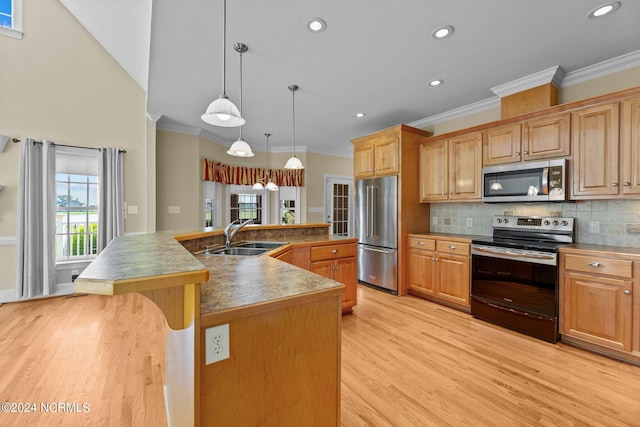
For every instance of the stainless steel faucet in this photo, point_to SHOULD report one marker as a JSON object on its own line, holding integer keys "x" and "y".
{"x": 232, "y": 229}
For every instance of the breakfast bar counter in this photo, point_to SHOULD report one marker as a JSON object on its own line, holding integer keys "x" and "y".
{"x": 283, "y": 327}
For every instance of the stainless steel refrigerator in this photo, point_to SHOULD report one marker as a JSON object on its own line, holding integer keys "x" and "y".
{"x": 377, "y": 231}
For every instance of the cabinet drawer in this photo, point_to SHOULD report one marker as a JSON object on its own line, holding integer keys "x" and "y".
{"x": 421, "y": 243}
{"x": 606, "y": 266}
{"x": 333, "y": 251}
{"x": 457, "y": 248}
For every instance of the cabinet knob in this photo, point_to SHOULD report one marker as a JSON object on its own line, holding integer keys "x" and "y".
{"x": 627, "y": 292}
{"x": 627, "y": 183}
{"x": 525, "y": 152}
{"x": 420, "y": 243}
{"x": 444, "y": 193}
{"x": 452, "y": 247}
{"x": 614, "y": 184}
{"x": 450, "y": 192}
{"x": 595, "y": 264}
{"x": 335, "y": 251}
{"x": 517, "y": 153}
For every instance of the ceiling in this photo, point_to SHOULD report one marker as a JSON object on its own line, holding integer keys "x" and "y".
{"x": 375, "y": 57}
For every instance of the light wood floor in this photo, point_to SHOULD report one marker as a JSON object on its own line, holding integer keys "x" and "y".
{"x": 405, "y": 362}
{"x": 408, "y": 362}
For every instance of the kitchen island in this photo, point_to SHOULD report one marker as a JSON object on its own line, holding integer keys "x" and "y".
{"x": 283, "y": 330}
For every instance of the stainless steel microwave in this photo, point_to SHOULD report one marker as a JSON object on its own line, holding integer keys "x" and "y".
{"x": 542, "y": 181}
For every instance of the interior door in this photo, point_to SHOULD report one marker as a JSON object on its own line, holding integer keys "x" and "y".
{"x": 339, "y": 193}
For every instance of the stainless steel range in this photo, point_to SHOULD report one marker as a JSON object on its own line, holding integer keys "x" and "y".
{"x": 515, "y": 273}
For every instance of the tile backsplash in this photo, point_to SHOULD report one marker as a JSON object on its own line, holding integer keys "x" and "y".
{"x": 601, "y": 222}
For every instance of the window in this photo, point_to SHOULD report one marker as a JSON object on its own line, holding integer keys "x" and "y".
{"x": 245, "y": 203}
{"x": 77, "y": 190}
{"x": 246, "y": 206}
{"x": 11, "y": 18}
{"x": 76, "y": 216}
{"x": 289, "y": 205}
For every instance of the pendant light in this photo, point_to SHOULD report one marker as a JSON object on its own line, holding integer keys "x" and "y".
{"x": 240, "y": 148}
{"x": 294, "y": 162}
{"x": 223, "y": 112}
{"x": 271, "y": 186}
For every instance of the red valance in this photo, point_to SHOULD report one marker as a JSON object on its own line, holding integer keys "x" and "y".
{"x": 243, "y": 175}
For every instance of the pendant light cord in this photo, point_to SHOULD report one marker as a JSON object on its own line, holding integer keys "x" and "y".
{"x": 224, "y": 47}
{"x": 293, "y": 94}
{"x": 240, "y": 91}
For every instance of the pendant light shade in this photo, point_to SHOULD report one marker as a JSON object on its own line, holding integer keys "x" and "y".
{"x": 271, "y": 186}
{"x": 294, "y": 162}
{"x": 240, "y": 148}
{"x": 222, "y": 112}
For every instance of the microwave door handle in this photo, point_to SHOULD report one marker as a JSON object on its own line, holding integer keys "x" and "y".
{"x": 545, "y": 180}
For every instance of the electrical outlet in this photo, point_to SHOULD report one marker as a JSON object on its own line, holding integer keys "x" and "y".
{"x": 594, "y": 227}
{"x": 174, "y": 209}
{"x": 132, "y": 209}
{"x": 434, "y": 220}
{"x": 469, "y": 222}
{"x": 216, "y": 343}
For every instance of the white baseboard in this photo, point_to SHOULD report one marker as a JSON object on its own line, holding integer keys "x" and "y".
{"x": 61, "y": 289}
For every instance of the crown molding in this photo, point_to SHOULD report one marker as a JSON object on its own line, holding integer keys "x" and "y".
{"x": 603, "y": 68}
{"x": 550, "y": 75}
{"x": 476, "y": 107}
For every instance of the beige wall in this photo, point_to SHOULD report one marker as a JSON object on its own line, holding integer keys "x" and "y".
{"x": 58, "y": 83}
{"x": 179, "y": 156}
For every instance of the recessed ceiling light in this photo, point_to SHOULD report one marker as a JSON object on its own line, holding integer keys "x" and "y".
{"x": 604, "y": 10}
{"x": 316, "y": 25}
{"x": 442, "y": 32}
{"x": 359, "y": 115}
{"x": 436, "y": 82}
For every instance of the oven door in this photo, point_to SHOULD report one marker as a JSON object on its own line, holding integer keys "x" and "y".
{"x": 517, "y": 294}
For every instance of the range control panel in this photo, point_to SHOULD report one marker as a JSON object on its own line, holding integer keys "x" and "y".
{"x": 559, "y": 224}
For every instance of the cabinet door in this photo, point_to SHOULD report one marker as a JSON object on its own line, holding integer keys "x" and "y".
{"x": 453, "y": 278}
{"x": 323, "y": 268}
{"x": 422, "y": 271}
{"x": 345, "y": 272}
{"x": 433, "y": 171}
{"x": 386, "y": 155}
{"x": 595, "y": 143}
{"x": 465, "y": 167}
{"x": 363, "y": 160}
{"x": 631, "y": 147}
{"x": 547, "y": 137}
{"x": 501, "y": 145}
{"x": 597, "y": 309}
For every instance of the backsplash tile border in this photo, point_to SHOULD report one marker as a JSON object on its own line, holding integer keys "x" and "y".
{"x": 618, "y": 220}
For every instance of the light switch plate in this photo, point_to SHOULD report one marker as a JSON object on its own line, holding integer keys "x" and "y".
{"x": 132, "y": 209}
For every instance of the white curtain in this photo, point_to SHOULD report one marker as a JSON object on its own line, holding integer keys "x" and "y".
{"x": 111, "y": 203}
{"x": 36, "y": 266}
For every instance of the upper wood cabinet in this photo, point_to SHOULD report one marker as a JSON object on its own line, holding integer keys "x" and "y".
{"x": 631, "y": 146}
{"x": 535, "y": 139}
{"x": 451, "y": 169}
{"x": 377, "y": 157}
{"x": 595, "y": 145}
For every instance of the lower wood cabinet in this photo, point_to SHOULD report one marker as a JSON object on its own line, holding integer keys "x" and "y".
{"x": 336, "y": 261}
{"x": 597, "y": 300}
{"x": 440, "y": 269}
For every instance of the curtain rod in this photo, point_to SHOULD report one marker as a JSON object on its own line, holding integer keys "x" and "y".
{"x": 53, "y": 144}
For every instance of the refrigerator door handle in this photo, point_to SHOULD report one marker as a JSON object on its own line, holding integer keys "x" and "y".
{"x": 374, "y": 206}
{"x": 382, "y": 251}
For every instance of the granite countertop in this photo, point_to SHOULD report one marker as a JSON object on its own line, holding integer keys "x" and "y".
{"x": 237, "y": 281}
{"x": 133, "y": 263}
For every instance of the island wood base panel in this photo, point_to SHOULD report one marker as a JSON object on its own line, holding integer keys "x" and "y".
{"x": 283, "y": 370}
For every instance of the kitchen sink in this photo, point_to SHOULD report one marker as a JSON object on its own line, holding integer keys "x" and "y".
{"x": 258, "y": 244}
{"x": 238, "y": 251}
{"x": 243, "y": 248}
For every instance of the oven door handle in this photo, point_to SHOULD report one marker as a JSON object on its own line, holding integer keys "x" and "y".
{"x": 514, "y": 254}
